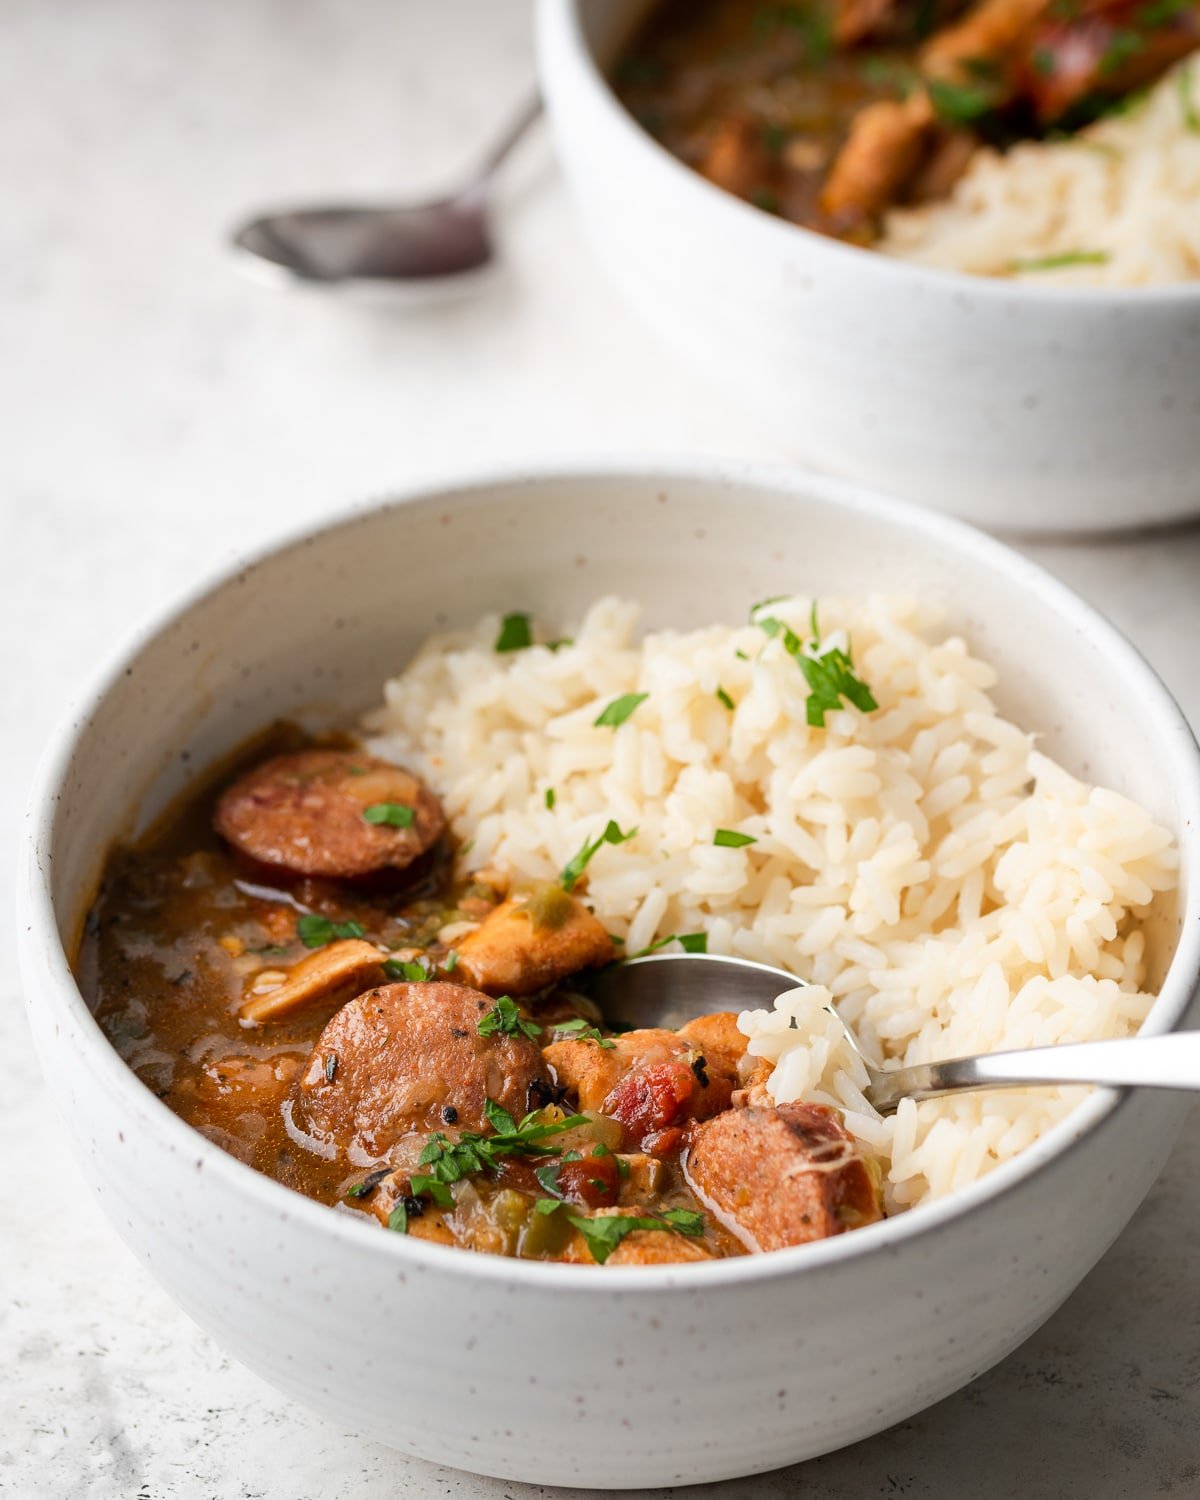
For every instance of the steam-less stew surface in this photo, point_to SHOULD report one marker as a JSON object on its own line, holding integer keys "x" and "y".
{"x": 292, "y": 963}
{"x": 830, "y": 112}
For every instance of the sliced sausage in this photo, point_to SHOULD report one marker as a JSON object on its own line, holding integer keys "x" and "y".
{"x": 313, "y": 814}
{"x": 786, "y": 1175}
{"x": 409, "y": 1057}
{"x": 532, "y": 941}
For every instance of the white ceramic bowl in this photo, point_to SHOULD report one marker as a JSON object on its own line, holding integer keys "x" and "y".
{"x": 1025, "y": 408}
{"x": 567, "y": 1374}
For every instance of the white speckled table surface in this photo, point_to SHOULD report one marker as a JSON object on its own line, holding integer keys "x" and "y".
{"x": 158, "y": 414}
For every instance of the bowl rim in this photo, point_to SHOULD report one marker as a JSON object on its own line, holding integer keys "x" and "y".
{"x": 44, "y": 959}
{"x": 561, "y": 44}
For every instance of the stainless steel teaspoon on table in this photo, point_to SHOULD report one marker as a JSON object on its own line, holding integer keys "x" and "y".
{"x": 356, "y": 243}
{"x": 668, "y": 989}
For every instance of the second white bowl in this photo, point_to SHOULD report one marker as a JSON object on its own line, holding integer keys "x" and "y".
{"x": 1017, "y": 407}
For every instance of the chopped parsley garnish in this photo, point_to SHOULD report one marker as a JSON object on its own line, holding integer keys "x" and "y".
{"x": 619, "y": 710}
{"x": 1123, "y": 46}
{"x": 558, "y": 645}
{"x": 829, "y": 671}
{"x": 729, "y": 838}
{"x": 450, "y": 1161}
{"x": 505, "y": 1019}
{"x": 515, "y": 633}
{"x": 429, "y": 1187}
{"x": 960, "y": 103}
{"x": 398, "y": 1218}
{"x": 451, "y": 962}
{"x": 1065, "y": 258}
{"x": 551, "y": 798}
{"x": 412, "y": 970}
{"x": 573, "y": 870}
{"x": 723, "y": 698}
{"x": 393, "y": 814}
{"x": 314, "y": 931}
{"x": 1187, "y": 104}
{"x": 579, "y": 1030}
{"x": 690, "y": 942}
{"x": 605, "y": 1232}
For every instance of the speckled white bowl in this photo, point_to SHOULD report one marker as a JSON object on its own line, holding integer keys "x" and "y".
{"x": 567, "y": 1374}
{"x": 1018, "y": 407}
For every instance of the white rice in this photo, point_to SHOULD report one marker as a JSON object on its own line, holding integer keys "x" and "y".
{"x": 949, "y": 889}
{"x": 1118, "y": 203}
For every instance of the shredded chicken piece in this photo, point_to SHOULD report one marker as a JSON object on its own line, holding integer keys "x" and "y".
{"x": 332, "y": 974}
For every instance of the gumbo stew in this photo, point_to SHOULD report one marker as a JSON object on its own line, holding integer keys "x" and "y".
{"x": 293, "y": 964}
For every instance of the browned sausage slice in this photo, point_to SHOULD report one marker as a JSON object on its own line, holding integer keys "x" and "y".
{"x": 332, "y": 813}
{"x": 408, "y": 1057}
{"x": 786, "y": 1175}
{"x": 539, "y": 937}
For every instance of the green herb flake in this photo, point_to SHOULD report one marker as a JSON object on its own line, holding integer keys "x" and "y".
{"x": 690, "y": 942}
{"x": 515, "y": 633}
{"x": 573, "y": 870}
{"x": 505, "y": 1019}
{"x": 605, "y": 1232}
{"x": 411, "y": 970}
{"x": 551, "y": 798}
{"x": 548, "y": 1177}
{"x": 452, "y": 1161}
{"x": 451, "y": 961}
{"x": 829, "y": 671}
{"x": 579, "y": 1030}
{"x": 1058, "y": 262}
{"x": 724, "y": 699}
{"x": 314, "y": 931}
{"x": 398, "y": 1218}
{"x": 619, "y": 710}
{"x": 960, "y": 103}
{"x": 560, "y": 644}
{"x": 729, "y": 838}
{"x": 431, "y": 1188}
{"x": 1187, "y": 102}
{"x": 1123, "y": 47}
{"x": 1044, "y": 62}
{"x": 391, "y": 814}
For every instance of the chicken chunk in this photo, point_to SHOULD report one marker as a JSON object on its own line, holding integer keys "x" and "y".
{"x": 786, "y": 1176}
{"x": 532, "y": 941}
{"x": 885, "y": 146}
{"x": 330, "y": 976}
{"x": 737, "y": 158}
{"x": 409, "y": 1057}
{"x": 652, "y": 1081}
{"x": 717, "y": 1035}
{"x": 332, "y": 813}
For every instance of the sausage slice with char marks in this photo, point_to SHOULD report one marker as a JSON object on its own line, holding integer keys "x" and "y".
{"x": 786, "y": 1175}
{"x": 306, "y": 814}
{"x": 399, "y": 1057}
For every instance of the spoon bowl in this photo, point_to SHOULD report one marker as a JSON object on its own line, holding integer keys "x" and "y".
{"x": 418, "y": 244}
{"x": 670, "y": 989}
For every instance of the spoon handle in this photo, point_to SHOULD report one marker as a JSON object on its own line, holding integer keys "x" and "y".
{"x": 1156, "y": 1062}
{"x": 517, "y": 127}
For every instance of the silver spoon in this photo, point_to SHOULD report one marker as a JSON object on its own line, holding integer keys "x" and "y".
{"x": 354, "y": 243}
{"x": 669, "y": 989}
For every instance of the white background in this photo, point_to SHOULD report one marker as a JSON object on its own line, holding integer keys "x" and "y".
{"x": 158, "y": 414}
